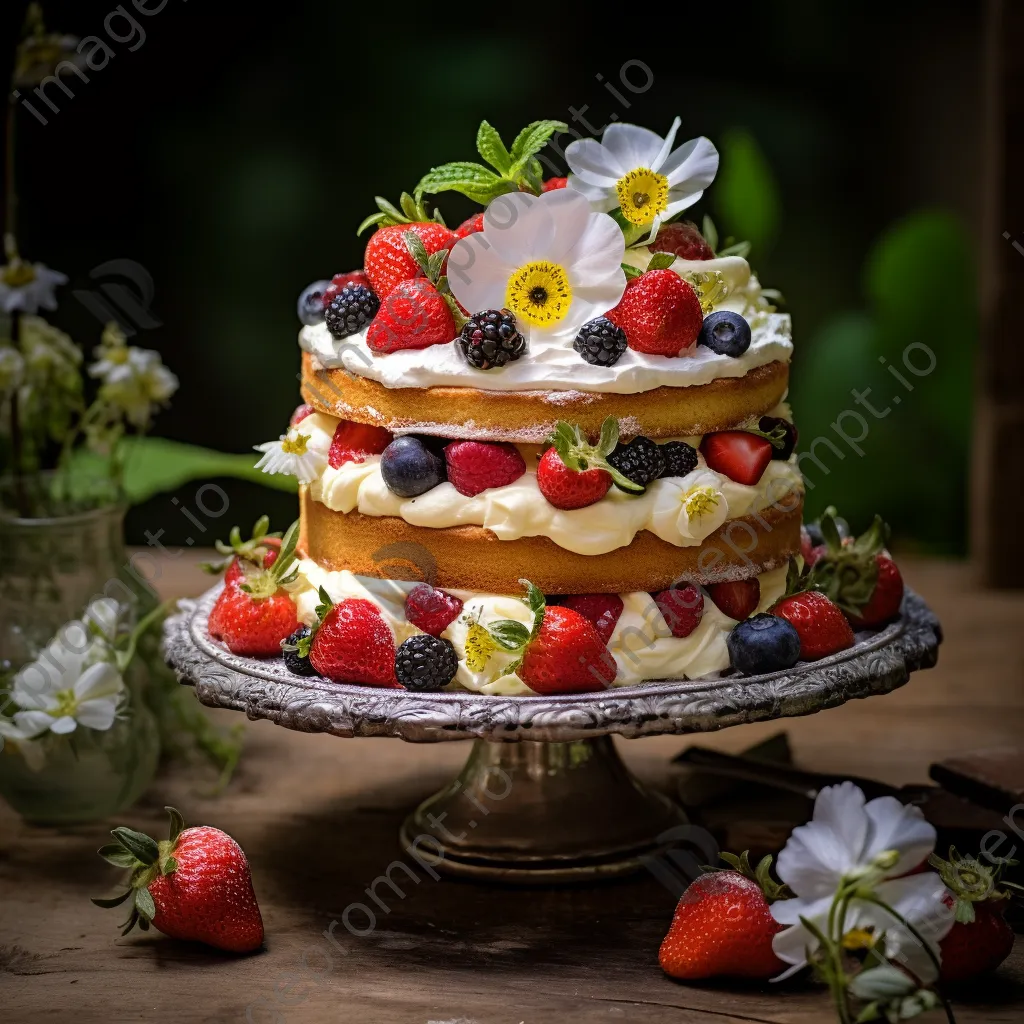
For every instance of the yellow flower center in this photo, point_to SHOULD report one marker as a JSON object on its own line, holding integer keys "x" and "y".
{"x": 295, "y": 445}
{"x": 858, "y": 938}
{"x": 643, "y": 194}
{"x": 66, "y": 704}
{"x": 699, "y": 501}
{"x": 539, "y": 293}
{"x": 18, "y": 273}
{"x": 117, "y": 356}
{"x": 479, "y": 647}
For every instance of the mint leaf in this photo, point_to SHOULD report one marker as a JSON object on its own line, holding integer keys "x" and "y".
{"x": 530, "y": 141}
{"x": 609, "y": 436}
{"x": 477, "y": 182}
{"x": 492, "y": 149}
{"x": 509, "y": 635}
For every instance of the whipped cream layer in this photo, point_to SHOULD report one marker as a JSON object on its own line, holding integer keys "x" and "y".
{"x": 642, "y": 643}
{"x": 680, "y": 510}
{"x": 552, "y": 364}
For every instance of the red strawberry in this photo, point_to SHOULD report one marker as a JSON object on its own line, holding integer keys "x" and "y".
{"x": 574, "y": 473}
{"x": 301, "y": 412}
{"x": 603, "y": 610}
{"x": 339, "y": 281}
{"x": 195, "y": 887}
{"x": 740, "y": 456}
{"x": 723, "y": 927}
{"x": 683, "y": 608}
{"x": 471, "y": 226}
{"x": 388, "y": 260}
{"x": 808, "y": 550}
{"x": 660, "y": 314}
{"x": 254, "y": 614}
{"x": 352, "y": 442}
{"x": 430, "y": 609}
{"x": 353, "y": 644}
{"x": 684, "y": 239}
{"x": 552, "y": 183}
{"x": 260, "y": 551}
{"x": 737, "y": 599}
{"x": 820, "y": 624}
{"x": 567, "y": 488}
{"x": 475, "y": 466}
{"x": 414, "y": 315}
{"x": 885, "y": 599}
{"x": 236, "y": 573}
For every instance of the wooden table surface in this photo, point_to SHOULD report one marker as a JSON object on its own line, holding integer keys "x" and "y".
{"x": 318, "y": 819}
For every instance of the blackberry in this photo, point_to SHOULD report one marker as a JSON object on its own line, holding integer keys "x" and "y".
{"x": 351, "y": 310}
{"x": 640, "y": 461}
{"x": 680, "y": 458}
{"x": 491, "y": 338}
{"x": 769, "y": 423}
{"x": 601, "y": 342}
{"x": 293, "y": 661}
{"x": 424, "y": 663}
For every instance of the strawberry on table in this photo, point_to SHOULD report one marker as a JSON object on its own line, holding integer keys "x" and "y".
{"x": 351, "y": 643}
{"x": 195, "y": 886}
{"x": 562, "y": 652}
{"x": 737, "y": 454}
{"x": 820, "y": 624}
{"x": 388, "y": 260}
{"x": 737, "y": 598}
{"x": 603, "y": 610}
{"x": 476, "y": 466}
{"x": 573, "y": 473}
{"x": 352, "y": 442}
{"x": 723, "y": 926}
{"x": 660, "y": 313}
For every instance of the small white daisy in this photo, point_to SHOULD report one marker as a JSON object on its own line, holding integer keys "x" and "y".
{"x": 291, "y": 455}
{"x": 28, "y": 287}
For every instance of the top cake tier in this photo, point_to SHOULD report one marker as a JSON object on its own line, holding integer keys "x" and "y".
{"x": 565, "y": 299}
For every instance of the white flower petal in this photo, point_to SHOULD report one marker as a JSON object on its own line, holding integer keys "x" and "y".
{"x": 64, "y": 725}
{"x": 97, "y": 714}
{"x": 571, "y": 221}
{"x": 631, "y": 145}
{"x": 105, "y": 615}
{"x": 895, "y": 826}
{"x": 594, "y": 163}
{"x": 9, "y": 731}
{"x": 519, "y": 227}
{"x": 477, "y": 275}
{"x": 34, "y": 686}
{"x": 694, "y": 164}
{"x": 600, "y": 198}
{"x": 666, "y": 146}
{"x": 677, "y": 202}
{"x": 33, "y": 723}
{"x": 98, "y": 681}
{"x": 596, "y": 253}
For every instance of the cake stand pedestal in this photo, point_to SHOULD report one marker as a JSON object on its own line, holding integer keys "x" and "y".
{"x": 544, "y": 796}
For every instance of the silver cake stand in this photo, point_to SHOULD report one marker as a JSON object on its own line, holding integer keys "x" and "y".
{"x": 544, "y": 796}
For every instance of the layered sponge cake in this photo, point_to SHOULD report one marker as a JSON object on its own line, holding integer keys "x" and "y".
{"x": 549, "y": 449}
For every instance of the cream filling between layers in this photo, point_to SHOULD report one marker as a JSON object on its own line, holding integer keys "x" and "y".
{"x": 641, "y": 643}
{"x": 551, "y": 364}
{"x": 680, "y": 510}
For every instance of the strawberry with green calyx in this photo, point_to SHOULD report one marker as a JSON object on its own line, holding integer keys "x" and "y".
{"x": 412, "y": 211}
{"x": 561, "y": 652}
{"x": 515, "y": 169}
{"x": 723, "y": 926}
{"x": 194, "y": 885}
{"x": 980, "y": 939}
{"x": 260, "y": 550}
{"x": 304, "y": 643}
{"x": 858, "y": 575}
{"x": 432, "y": 266}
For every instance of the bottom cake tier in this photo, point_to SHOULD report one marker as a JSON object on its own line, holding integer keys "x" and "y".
{"x": 640, "y": 641}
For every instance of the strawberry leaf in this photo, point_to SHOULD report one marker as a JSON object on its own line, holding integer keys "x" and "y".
{"x": 138, "y": 844}
{"x": 609, "y": 436}
{"x": 177, "y": 824}
{"x": 492, "y": 149}
{"x": 417, "y": 251}
{"x": 631, "y": 272}
{"x": 373, "y": 220}
{"x": 325, "y": 605}
{"x": 116, "y": 901}
{"x": 114, "y": 853}
{"x": 661, "y": 261}
{"x": 144, "y": 904}
{"x": 509, "y": 634}
{"x": 409, "y": 207}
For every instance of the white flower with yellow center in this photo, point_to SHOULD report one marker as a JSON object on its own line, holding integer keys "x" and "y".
{"x": 549, "y": 259}
{"x": 28, "y": 287}
{"x": 293, "y": 455}
{"x": 689, "y": 507}
{"x": 134, "y": 380}
{"x": 639, "y": 172}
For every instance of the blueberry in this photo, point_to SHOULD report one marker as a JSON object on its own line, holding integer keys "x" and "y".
{"x": 409, "y": 467}
{"x": 763, "y": 643}
{"x": 294, "y": 661}
{"x": 311, "y": 307}
{"x": 726, "y": 333}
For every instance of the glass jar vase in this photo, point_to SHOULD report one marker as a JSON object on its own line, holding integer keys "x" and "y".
{"x": 62, "y": 553}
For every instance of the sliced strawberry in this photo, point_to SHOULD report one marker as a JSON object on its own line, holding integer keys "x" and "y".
{"x": 740, "y": 456}
{"x": 352, "y": 442}
{"x": 737, "y": 599}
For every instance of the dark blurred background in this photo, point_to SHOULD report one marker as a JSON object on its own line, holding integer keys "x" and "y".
{"x": 234, "y": 152}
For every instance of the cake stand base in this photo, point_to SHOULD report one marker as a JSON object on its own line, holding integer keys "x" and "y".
{"x": 534, "y": 812}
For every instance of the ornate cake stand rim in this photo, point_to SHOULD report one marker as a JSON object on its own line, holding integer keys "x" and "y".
{"x": 265, "y": 689}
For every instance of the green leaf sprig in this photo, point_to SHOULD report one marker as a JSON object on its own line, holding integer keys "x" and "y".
{"x": 260, "y": 582}
{"x": 430, "y": 265}
{"x": 408, "y": 211}
{"x": 579, "y": 454}
{"x": 511, "y": 169}
{"x": 513, "y": 636}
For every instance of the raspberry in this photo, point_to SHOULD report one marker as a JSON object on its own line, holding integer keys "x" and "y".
{"x": 475, "y": 466}
{"x": 431, "y": 610}
{"x": 603, "y": 610}
{"x": 682, "y": 608}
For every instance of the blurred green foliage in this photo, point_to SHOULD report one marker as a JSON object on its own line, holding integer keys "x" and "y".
{"x": 746, "y": 196}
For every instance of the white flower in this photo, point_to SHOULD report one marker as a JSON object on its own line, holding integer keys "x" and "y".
{"x": 637, "y": 171}
{"x": 28, "y": 287}
{"x": 104, "y": 616}
{"x": 292, "y": 455}
{"x": 134, "y": 380}
{"x": 878, "y": 842}
{"x": 692, "y": 506}
{"x": 549, "y": 259}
